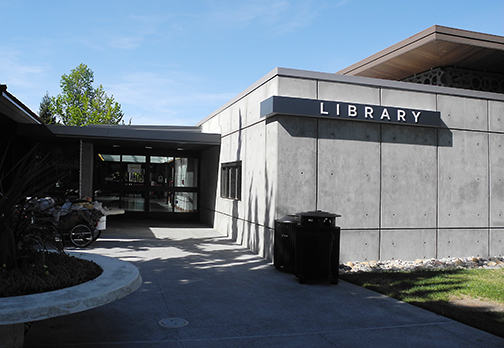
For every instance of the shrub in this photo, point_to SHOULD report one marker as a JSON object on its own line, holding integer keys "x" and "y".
{"x": 30, "y": 176}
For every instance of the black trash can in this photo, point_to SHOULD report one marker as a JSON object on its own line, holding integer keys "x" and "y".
{"x": 317, "y": 247}
{"x": 284, "y": 245}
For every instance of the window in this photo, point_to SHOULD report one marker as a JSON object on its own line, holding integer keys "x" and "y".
{"x": 231, "y": 180}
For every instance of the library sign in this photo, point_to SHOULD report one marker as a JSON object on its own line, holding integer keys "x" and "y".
{"x": 349, "y": 111}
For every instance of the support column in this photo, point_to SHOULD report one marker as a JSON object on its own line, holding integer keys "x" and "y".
{"x": 86, "y": 170}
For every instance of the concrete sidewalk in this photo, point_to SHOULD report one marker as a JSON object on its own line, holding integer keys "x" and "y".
{"x": 222, "y": 295}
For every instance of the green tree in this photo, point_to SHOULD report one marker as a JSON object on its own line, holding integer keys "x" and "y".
{"x": 45, "y": 112}
{"x": 80, "y": 104}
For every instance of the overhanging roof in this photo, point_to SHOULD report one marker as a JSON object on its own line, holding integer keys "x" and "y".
{"x": 151, "y": 137}
{"x": 436, "y": 46}
{"x": 13, "y": 109}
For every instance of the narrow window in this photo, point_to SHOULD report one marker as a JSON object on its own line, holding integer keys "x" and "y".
{"x": 231, "y": 180}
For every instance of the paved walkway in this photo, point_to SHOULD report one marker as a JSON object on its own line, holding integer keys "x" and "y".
{"x": 228, "y": 297}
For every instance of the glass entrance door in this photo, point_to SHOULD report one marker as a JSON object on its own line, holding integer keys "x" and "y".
{"x": 161, "y": 175}
{"x": 133, "y": 190}
{"x": 154, "y": 185}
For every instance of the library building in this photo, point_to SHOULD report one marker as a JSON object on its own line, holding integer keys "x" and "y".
{"x": 406, "y": 145}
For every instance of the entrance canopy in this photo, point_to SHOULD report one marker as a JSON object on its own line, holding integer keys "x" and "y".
{"x": 148, "y": 171}
{"x": 179, "y": 138}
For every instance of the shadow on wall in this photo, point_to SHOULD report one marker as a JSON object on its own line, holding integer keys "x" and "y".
{"x": 254, "y": 220}
{"x": 234, "y": 212}
{"x": 250, "y": 235}
{"x": 362, "y": 131}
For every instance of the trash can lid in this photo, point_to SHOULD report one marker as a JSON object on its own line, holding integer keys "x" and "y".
{"x": 289, "y": 219}
{"x": 318, "y": 214}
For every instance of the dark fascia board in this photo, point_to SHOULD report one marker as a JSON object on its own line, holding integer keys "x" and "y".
{"x": 11, "y": 107}
{"x": 150, "y": 127}
{"x": 356, "y": 80}
{"x": 137, "y": 133}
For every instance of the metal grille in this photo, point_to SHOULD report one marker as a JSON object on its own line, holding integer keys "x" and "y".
{"x": 460, "y": 78}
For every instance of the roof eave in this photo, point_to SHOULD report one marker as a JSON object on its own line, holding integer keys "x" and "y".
{"x": 15, "y": 109}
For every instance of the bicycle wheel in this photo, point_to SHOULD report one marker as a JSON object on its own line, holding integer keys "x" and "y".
{"x": 96, "y": 234}
{"x": 81, "y": 236}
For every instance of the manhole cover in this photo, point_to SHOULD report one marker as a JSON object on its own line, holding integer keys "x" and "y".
{"x": 173, "y": 323}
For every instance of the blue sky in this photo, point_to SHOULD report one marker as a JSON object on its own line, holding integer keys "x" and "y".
{"x": 175, "y": 62}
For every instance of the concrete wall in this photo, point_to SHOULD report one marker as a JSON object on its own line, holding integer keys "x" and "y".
{"x": 404, "y": 192}
{"x": 245, "y": 137}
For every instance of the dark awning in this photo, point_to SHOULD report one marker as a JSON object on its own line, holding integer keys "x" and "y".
{"x": 165, "y": 137}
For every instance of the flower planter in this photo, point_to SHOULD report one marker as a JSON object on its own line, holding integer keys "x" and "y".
{"x": 119, "y": 278}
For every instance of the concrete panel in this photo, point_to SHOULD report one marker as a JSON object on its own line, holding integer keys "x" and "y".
{"x": 496, "y": 116}
{"x": 496, "y": 242}
{"x": 297, "y": 88}
{"x": 496, "y": 158}
{"x": 258, "y": 239}
{"x": 232, "y": 147}
{"x": 463, "y": 113}
{"x": 269, "y": 240}
{"x": 359, "y": 245}
{"x": 257, "y": 188}
{"x": 224, "y": 224}
{"x": 271, "y": 170}
{"x": 297, "y": 163}
{"x": 462, "y": 243}
{"x": 255, "y": 98}
{"x": 231, "y": 150}
{"x": 225, "y": 149}
{"x": 349, "y": 172}
{"x": 212, "y": 125}
{"x": 463, "y": 179}
{"x": 408, "y": 244}
{"x": 225, "y": 121}
{"x": 409, "y": 177}
{"x": 240, "y": 232}
{"x": 232, "y": 119}
{"x": 407, "y": 99}
{"x": 236, "y": 115}
{"x": 349, "y": 93}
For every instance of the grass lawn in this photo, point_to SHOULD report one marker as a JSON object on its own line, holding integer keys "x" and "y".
{"x": 449, "y": 293}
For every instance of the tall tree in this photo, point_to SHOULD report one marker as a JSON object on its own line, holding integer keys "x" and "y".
{"x": 80, "y": 104}
{"x": 45, "y": 112}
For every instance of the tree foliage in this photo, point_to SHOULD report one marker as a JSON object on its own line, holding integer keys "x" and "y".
{"x": 45, "y": 112}
{"x": 80, "y": 104}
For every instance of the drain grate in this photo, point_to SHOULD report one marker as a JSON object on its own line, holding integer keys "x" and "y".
{"x": 173, "y": 323}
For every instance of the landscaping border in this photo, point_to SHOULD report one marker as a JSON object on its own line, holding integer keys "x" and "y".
{"x": 119, "y": 278}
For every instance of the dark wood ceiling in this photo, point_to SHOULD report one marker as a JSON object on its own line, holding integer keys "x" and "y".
{"x": 434, "y": 47}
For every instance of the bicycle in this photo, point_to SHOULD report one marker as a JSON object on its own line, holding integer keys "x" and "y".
{"x": 59, "y": 222}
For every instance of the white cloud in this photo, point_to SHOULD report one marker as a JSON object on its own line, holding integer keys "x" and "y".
{"x": 13, "y": 72}
{"x": 279, "y": 17}
{"x": 27, "y": 81}
{"x": 134, "y": 30}
{"x": 127, "y": 43}
{"x": 167, "y": 97}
